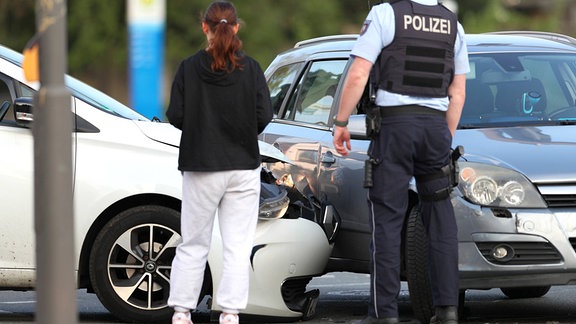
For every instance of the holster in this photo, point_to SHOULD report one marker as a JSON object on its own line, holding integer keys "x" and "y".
{"x": 450, "y": 170}
{"x": 454, "y": 169}
{"x": 373, "y": 121}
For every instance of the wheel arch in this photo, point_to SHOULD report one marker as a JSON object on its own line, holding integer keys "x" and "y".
{"x": 107, "y": 215}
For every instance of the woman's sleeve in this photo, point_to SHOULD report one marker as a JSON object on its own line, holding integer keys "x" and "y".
{"x": 175, "y": 111}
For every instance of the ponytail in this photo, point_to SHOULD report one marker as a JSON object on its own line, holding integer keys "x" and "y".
{"x": 225, "y": 46}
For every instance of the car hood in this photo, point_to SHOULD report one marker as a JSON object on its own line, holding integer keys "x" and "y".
{"x": 543, "y": 154}
{"x": 160, "y": 132}
{"x": 170, "y": 135}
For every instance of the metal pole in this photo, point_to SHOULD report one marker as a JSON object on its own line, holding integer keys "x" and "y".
{"x": 53, "y": 207}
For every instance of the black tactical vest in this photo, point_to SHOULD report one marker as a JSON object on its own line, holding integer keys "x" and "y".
{"x": 420, "y": 59}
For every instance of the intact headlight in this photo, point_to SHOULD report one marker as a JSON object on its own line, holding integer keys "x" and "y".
{"x": 494, "y": 186}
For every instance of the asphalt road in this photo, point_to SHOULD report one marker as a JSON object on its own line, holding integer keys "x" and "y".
{"x": 343, "y": 299}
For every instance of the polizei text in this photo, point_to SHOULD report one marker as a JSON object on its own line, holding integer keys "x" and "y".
{"x": 427, "y": 24}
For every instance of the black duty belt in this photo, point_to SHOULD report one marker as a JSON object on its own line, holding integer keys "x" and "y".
{"x": 386, "y": 111}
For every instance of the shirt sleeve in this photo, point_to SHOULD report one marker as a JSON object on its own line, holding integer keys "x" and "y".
{"x": 461, "y": 64}
{"x": 377, "y": 32}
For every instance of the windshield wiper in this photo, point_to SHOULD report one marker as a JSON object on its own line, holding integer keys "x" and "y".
{"x": 468, "y": 126}
{"x": 567, "y": 121}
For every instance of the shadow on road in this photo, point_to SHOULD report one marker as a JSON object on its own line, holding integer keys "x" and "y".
{"x": 343, "y": 299}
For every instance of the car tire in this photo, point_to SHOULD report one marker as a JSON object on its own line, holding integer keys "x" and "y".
{"x": 416, "y": 266}
{"x": 122, "y": 267}
{"x": 525, "y": 292}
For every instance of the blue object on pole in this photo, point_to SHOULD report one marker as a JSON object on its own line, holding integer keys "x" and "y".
{"x": 146, "y": 26}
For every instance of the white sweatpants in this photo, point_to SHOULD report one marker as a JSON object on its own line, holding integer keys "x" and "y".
{"x": 235, "y": 195}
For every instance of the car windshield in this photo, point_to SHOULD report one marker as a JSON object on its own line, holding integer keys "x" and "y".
{"x": 100, "y": 100}
{"x": 83, "y": 91}
{"x": 513, "y": 89}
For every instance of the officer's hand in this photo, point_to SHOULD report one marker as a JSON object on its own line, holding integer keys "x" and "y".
{"x": 342, "y": 140}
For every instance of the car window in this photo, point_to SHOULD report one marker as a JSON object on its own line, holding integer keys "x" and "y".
{"x": 312, "y": 98}
{"x": 522, "y": 88}
{"x": 5, "y": 97}
{"x": 280, "y": 82}
{"x": 100, "y": 100}
{"x": 6, "y": 100}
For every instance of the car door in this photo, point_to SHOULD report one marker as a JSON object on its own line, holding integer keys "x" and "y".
{"x": 18, "y": 232}
{"x": 304, "y": 97}
{"x": 303, "y": 109}
{"x": 16, "y": 186}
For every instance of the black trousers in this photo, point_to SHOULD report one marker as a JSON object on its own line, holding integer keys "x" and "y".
{"x": 410, "y": 145}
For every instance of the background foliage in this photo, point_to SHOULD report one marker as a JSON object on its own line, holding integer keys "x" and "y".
{"x": 97, "y": 29}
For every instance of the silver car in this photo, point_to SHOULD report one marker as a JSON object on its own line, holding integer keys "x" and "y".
{"x": 516, "y": 198}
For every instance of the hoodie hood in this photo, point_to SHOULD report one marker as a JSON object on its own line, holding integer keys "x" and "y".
{"x": 219, "y": 78}
{"x": 544, "y": 154}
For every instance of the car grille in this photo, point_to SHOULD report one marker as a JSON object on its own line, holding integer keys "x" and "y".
{"x": 560, "y": 200}
{"x": 293, "y": 292}
{"x": 525, "y": 253}
{"x": 559, "y": 196}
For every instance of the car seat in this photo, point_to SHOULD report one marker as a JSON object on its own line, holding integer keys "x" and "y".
{"x": 521, "y": 98}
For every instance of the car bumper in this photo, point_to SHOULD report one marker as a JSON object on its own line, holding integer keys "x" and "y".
{"x": 515, "y": 248}
{"x": 286, "y": 254}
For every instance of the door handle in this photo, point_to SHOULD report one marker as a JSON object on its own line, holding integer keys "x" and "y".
{"x": 328, "y": 158}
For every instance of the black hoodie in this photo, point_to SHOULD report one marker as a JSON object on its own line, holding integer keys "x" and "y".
{"x": 220, "y": 114}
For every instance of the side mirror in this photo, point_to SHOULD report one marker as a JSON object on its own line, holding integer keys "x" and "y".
{"x": 23, "y": 111}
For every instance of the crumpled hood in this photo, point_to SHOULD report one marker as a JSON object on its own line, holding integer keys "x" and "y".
{"x": 543, "y": 154}
{"x": 170, "y": 135}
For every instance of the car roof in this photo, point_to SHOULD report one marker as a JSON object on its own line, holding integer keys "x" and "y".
{"x": 521, "y": 41}
{"x": 331, "y": 46}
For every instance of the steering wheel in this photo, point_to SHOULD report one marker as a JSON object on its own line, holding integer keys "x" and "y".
{"x": 558, "y": 113}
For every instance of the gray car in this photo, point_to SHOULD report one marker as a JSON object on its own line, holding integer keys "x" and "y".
{"x": 516, "y": 198}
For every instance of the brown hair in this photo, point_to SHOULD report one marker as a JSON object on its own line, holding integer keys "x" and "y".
{"x": 225, "y": 47}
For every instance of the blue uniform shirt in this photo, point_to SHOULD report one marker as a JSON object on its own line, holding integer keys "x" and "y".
{"x": 378, "y": 32}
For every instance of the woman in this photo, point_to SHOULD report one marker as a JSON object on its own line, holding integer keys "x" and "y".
{"x": 220, "y": 101}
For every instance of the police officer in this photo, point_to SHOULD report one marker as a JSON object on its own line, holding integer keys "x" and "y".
{"x": 419, "y": 55}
